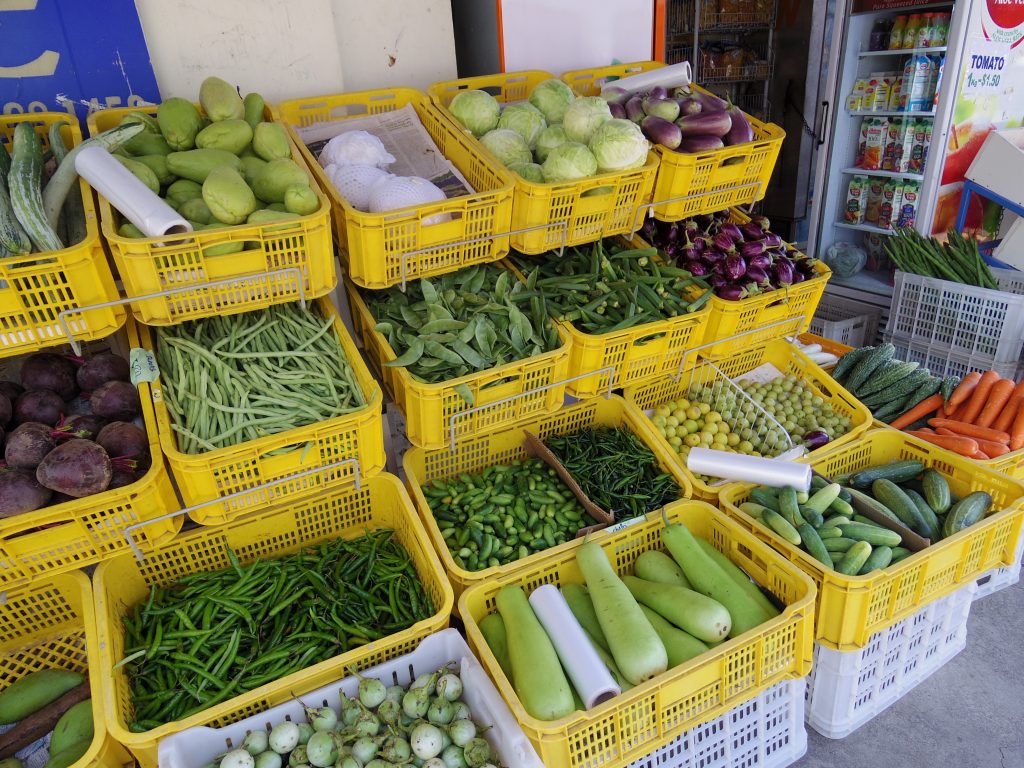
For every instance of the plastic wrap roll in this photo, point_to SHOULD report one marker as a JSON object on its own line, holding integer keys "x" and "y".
{"x": 589, "y": 676}
{"x": 129, "y": 195}
{"x": 673, "y": 76}
{"x": 776, "y": 473}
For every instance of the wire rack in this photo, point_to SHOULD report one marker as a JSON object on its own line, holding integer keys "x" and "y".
{"x": 720, "y": 15}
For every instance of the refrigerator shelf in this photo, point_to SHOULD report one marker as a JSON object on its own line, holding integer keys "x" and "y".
{"x": 889, "y": 113}
{"x": 854, "y": 171}
{"x": 902, "y": 51}
{"x": 870, "y": 228}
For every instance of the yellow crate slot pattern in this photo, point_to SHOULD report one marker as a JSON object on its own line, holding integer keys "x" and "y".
{"x": 588, "y": 82}
{"x": 850, "y": 609}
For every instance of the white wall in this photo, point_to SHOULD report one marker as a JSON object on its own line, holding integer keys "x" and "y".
{"x": 292, "y": 48}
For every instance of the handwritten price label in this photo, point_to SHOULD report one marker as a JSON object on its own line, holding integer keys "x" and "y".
{"x": 985, "y": 69}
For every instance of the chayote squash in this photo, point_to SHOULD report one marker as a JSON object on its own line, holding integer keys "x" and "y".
{"x": 250, "y": 167}
{"x": 183, "y": 190}
{"x": 228, "y": 196}
{"x": 253, "y": 105}
{"x": 275, "y": 177}
{"x": 148, "y": 144}
{"x": 220, "y": 100}
{"x": 270, "y": 141}
{"x": 301, "y": 200}
{"x": 266, "y": 215}
{"x": 196, "y": 210}
{"x": 148, "y": 122}
{"x": 230, "y": 135}
{"x": 196, "y": 164}
{"x": 127, "y": 229}
{"x": 141, "y": 171}
{"x": 179, "y": 122}
{"x": 158, "y": 165}
{"x": 275, "y": 207}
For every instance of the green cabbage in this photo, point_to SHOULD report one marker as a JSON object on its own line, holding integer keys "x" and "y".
{"x": 583, "y": 116}
{"x": 551, "y": 137}
{"x": 552, "y": 97}
{"x": 525, "y": 119}
{"x": 619, "y": 145}
{"x": 476, "y": 111}
{"x": 508, "y": 146}
{"x": 529, "y": 171}
{"x": 569, "y": 162}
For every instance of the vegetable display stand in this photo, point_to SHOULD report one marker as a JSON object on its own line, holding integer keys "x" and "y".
{"x": 767, "y": 731}
{"x": 83, "y": 531}
{"x": 298, "y": 461}
{"x": 984, "y": 324}
{"x": 384, "y": 249}
{"x": 549, "y": 215}
{"x": 36, "y": 288}
{"x": 847, "y": 322}
{"x": 435, "y": 414}
{"x": 654, "y": 714}
{"x": 1001, "y": 578}
{"x": 476, "y": 453}
{"x": 714, "y": 372}
{"x": 380, "y": 503}
{"x": 851, "y": 609}
{"x": 847, "y": 689}
{"x": 691, "y": 184}
{"x": 280, "y": 262}
{"x": 51, "y": 624}
{"x": 199, "y": 745}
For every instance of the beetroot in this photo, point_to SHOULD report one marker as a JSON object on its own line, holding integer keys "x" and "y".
{"x": 6, "y": 410}
{"x": 11, "y": 389}
{"x": 42, "y": 405}
{"x": 45, "y": 370}
{"x": 78, "y": 468}
{"x": 83, "y": 425}
{"x": 19, "y": 492}
{"x": 28, "y": 445}
{"x": 116, "y": 400}
{"x": 123, "y": 476}
{"x": 123, "y": 439}
{"x": 100, "y": 369}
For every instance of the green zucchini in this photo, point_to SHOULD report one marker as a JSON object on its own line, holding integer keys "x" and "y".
{"x": 936, "y": 491}
{"x": 867, "y": 365}
{"x": 896, "y": 471}
{"x": 813, "y": 544}
{"x": 931, "y": 521}
{"x": 896, "y": 499}
{"x": 872, "y": 534}
{"x": 848, "y": 362}
{"x": 966, "y": 512}
{"x": 889, "y": 377}
{"x": 879, "y": 558}
{"x": 24, "y": 184}
{"x": 854, "y": 559}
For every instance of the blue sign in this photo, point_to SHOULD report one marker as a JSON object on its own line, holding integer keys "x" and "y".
{"x": 73, "y": 56}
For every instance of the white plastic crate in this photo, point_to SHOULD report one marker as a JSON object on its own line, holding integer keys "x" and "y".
{"x": 198, "y": 746}
{"x": 849, "y": 322}
{"x": 1000, "y": 578}
{"x": 945, "y": 362}
{"x": 847, "y": 689}
{"x": 766, "y": 732}
{"x": 961, "y": 318}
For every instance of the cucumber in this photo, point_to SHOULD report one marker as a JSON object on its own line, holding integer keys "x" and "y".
{"x": 35, "y": 690}
{"x": 789, "y": 508}
{"x": 894, "y": 497}
{"x": 837, "y": 545}
{"x": 844, "y": 495}
{"x": 632, "y": 641}
{"x": 653, "y": 565}
{"x": 865, "y": 520}
{"x": 537, "y": 675}
{"x": 854, "y": 559}
{"x": 871, "y": 534}
{"x": 867, "y": 365}
{"x": 818, "y": 482}
{"x": 704, "y": 618}
{"x": 879, "y": 558}
{"x": 931, "y": 521}
{"x": 813, "y": 544}
{"x": 849, "y": 361}
{"x": 492, "y": 627}
{"x": 899, "y": 553}
{"x": 936, "y": 491}
{"x": 841, "y": 507}
{"x": 737, "y": 574}
{"x": 74, "y": 726}
{"x": 781, "y": 526}
{"x": 835, "y": 520}
{"x": 765, "y": 497}
{"x": 868, "y": 501}
{"x": 896, "y": 471}
{"x": 681, "y": 646}
{"x": 13, "y": 238}
{"x": 821, "y": 500}
{"x": 966, "y": 512}
{"x": 24, "y": 184}
{"x": 802, "y": 496}
{"x": 753, "y": 509}
{"x": 582, "y": 608}
{"x": 831, "y": 532}
{"x": 812, "y": 516}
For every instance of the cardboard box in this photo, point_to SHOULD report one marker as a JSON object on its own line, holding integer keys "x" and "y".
{"x": 999, "y": 165}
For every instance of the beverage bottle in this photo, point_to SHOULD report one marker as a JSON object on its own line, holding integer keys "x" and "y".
{"x": 940, "y": 32}
{"x": 896, "y": 33}
{"x": 924, "y": 32}
{"x": 879, "y": 39}
{"x": 910, "y": 31}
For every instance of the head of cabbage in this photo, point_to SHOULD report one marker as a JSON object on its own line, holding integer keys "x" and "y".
{"x": 552, "y": 97}
{"x": 569, "y": 162}
{"x": 583, "y": 116}
{"x": 528, "y": 171}
{"x": 508, "y": 146}
{"x": 476, "y": 111}
{"x": 619, "y": 145}
{"x": 525, "y": 119}
{"x": 551, "y": 137}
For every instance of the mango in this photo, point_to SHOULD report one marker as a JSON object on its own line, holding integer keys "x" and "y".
{"x": 179, "y": 122}
{"x": 266, "y": 215}
{"x": 148, "y": 144}
{"x": 253, "y": 105}
{"x": 141, "y": 171}
{"x": 228, "y": 196}
{"x": 250, "y": 167}
{"x": 275, "y": 177}
{"x": 158, "y": 165}
{"x": 183, "y": 190}
{"x": 148, "y": 122}
{"x": 230, "y": 135}
{"x": 301, "y": 200}
{"x": 196, "y": 210}
{"x": 196, "y": 164}
{"x": 74, "y": 726}
{"x": 220, "y": 100}
{"x": 270, "y": 141}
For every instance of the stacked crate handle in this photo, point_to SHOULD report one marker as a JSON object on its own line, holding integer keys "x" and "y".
{"x": 610, "y": 370}
{"x": 486, "y": 238}
{"x": 651, "y": 206}
{"x": 76, "y": 347}
{"x": 244, "y": 492}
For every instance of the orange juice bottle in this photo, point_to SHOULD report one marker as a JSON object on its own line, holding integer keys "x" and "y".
{"x": 910, "y": 31}
{"x": 896, "y": 33}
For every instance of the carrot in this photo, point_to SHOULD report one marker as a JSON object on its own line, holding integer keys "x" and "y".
{"x": 990, "y": 448}
{"x": 997, "y": 400}
{"x": 941, "y": 413}
{"x": 965, "y": 446}
{"x": 980, "y": 456}
{"x": 919, "y": 411}
{"x": 979, "y": 397}
{"x": 970, "y": 430}
{"x": 1009, "y": 412}
{"x": 927, "y": 429}
{"x": 1017, "y": 431}
{"x": 963, "y": 390}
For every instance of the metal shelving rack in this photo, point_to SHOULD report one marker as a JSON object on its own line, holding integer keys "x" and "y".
{"x": 692, "y": 26}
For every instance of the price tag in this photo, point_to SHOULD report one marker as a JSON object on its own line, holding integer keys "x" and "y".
{"x": 985, "y": 69}
{"x": 142, "y": 365}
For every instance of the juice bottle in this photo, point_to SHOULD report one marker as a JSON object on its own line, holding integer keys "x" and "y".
{"x": 908, "y": 205}
{"x": 874, "y": 144}
{"x": 924, "y": 32}
{"x": 880, "y": 97}
{"x": 940, "y": 29}
{"x": 865, "y": 125}
{"x": 919, "y": 149}
{"x": 896, "y": 33}
{"x": 855, "y": 101}
{"x": 873, "y": 206}
{"x": 906, "y": 147}
{"x": 879, "y": 39}
{"x": 886, "y": 209}
{"x": 938, "y": 83}
{"x": 924, "y": 70}
{"x": 892, "y": 140}
{"x": 894, "y": 94}
{"x": 928, "y": 124}
{"x": 854, "y": 212}
{"x": 910, "y": 31}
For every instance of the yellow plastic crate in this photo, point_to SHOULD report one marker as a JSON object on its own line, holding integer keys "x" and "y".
{"x": 83, "y": 531}
{"x": 827, "y": 345}
{"x": 559, "y": 213}
{"x": 36, "y": 287}
{"x": 504, "y": 395}
{"x": 475, "y": 454}
{"x": 636, "y": 354}
{"x": 385, "y": 249}
{"x": 51, "y": 624}
{"x": 153, "y": 265}
{"x": 779, "y": 353}
{"x": 692, "y": 184}
{"x": 123, "y": 582}
{"x": 851, "y": 609}
{"x": 206, "y": 477}
{"x": 651, "y": 715}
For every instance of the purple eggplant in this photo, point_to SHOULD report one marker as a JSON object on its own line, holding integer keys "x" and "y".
{"x": 635, "y": 109}
{"x": 667, "y": 109}
{"x": 756, "y": 274}
{"x": 798, "y": 277}
{"x": 712, "y": 256}
{"x": 763, "y": 261}
{"x": 704, "y": 222}
{"x": 658, "y": 92}
{"x": 662, "y": 131}
{"x": 649, "y": 231}
{"x": 705, "y": 124}
{"x": 724, "y": 242}
{"x": 815, "y": 439}
{"x": 761, "y": 221}
{"x": 730, "y": 292}
{"x": 783, "y": 271}
{"x": 771, "y": 240}
{"x": 617, "y": 110}
{"x": 688, "y": 106}
{"x": 751, "y": 231}
{"x": 709, "y": 102}
{"x": 717, "y": 280}
{"x": 732, "y": 231}
{"x": 695, "y": 145}
{"x": 740, "y": 130}
{"x": 615, "y": 95}
{"x": 735, "y": 266}
{"x": 696, "y": 268}
{"x": 689, "y": 253}
{"x": 699, "y": 244}
{"x": 751, "y": 249}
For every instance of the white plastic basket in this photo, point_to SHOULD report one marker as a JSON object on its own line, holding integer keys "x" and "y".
{"x": 946, "y": 362}
{"x": 852, "y": 323}
{"x": 198, "y": 746}
{"x": 847, "y": 689}
{"x": 961, "y": 318}
{"x": 766, "y": 732}
{"x": 1000, "y": 578}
